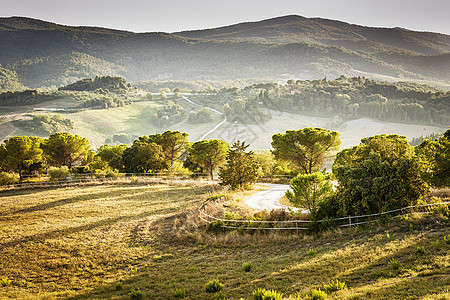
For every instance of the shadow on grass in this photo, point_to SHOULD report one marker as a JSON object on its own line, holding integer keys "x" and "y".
{"x": 104, "y": 222}
{"x": 67, "y": 231}
{"x": 85, "y": 197}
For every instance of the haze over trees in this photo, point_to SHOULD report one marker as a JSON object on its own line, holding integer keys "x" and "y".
{"x": 113, "y": 84}
{"x": 301, "y": 47}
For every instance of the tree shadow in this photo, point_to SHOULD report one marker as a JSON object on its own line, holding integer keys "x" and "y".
{"x": 80, "y": 198}
{"x": 87, "y": 227}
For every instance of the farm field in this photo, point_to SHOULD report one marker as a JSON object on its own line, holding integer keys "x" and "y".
{"x": 79, "y": 242}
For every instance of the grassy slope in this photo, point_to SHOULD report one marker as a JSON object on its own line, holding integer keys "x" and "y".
{"x": 134, "y": 119}
{"x": 77, "y": 242}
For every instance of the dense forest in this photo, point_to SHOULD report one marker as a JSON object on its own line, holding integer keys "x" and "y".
{"x": 100, "y": 92}
{"x": 100, "y": 84}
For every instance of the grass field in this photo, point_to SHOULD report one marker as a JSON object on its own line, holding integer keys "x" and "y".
{"x": 79, "y": 242}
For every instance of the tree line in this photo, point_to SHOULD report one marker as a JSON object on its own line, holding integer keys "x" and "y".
{"x": 383, "y": 172}
{"x": 356, "y": 97}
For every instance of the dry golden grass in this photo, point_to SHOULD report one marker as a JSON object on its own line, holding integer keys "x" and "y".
{"x": 77, "y": 242}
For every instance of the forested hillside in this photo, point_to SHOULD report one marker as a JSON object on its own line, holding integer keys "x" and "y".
{"x": 345, "y": 98}
{"x": 105, "y": 83}
{"x": 298, "y": 29}
{"x": 37, "y": 53}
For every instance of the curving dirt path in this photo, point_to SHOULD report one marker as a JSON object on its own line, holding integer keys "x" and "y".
{"x": 268, "y": 199}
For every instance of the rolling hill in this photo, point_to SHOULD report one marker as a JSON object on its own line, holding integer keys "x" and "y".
{"x": 298, "y": 29}
{"x": 36, "y": 53}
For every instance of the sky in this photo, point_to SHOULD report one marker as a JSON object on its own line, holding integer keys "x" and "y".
{"x": 180, "y": 15}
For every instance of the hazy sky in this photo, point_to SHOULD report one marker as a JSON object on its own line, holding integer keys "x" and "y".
{"x": 179, "y": 15}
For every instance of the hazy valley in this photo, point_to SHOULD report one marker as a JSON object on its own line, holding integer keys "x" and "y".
{"x": 127, "y": 159}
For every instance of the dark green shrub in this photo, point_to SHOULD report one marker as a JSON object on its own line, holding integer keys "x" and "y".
{"x": 318, "y": 295}
{"x": 215, "y": 226}
{"x": 311, "y": 252}
{"x": 263, "y": 294}
{"x": 7, "y": 178}
{"x": 420, "y": 250}
{"x": 213, "y": 286}
{"x": 247, "y": 267}
{"x": 447, "y": 239}
{"x": 58, "y": 173}
{"x": 5, "y": 282}
{"x": 136, "y": 294}
{"x": 215, "y": 197}
{"x": 157, "y": 257}
{"x": 179, "y": 293}
{"x": 119, "y": 286}
{"x": 395, "y": 264}
{"x": 334, "y": 286}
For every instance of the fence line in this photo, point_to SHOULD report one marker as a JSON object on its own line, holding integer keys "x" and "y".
{"x": 150, "y": 177}
{"x": 101, "y": 177}
{"x": 233, "y": 224}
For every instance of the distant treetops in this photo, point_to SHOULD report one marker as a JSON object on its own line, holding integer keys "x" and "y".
{"x": 113, "y": 84}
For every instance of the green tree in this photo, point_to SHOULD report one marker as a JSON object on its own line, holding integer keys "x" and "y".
{"x": 306, "y": 148}
{"x": 173, "y": 143}
{"x": 144, "y": 157}
{"x": 441, "y": 168}
{"x": 65, "y": 149}
{"x": 436, "y": 155}
{"x": 266, "y": 161}
{"x": 240, "y": 169}
{"x": 112, "y": 155}
{"x": 18, "y": 153}
{"x": 208, "y": 155}
{"x": 380, "y": 174}
{"x": 309, "y": 190}
{"x": 57, "y": 174}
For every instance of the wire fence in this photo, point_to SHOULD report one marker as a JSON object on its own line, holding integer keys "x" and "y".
{"x": 42, "y": 180}
{"x": 302, "y": 225}
{"x": 85, "y": 178}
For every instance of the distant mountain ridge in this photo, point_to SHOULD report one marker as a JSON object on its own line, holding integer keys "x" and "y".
{"x": 37, "y": 53}
{"x": 291, "y": 29}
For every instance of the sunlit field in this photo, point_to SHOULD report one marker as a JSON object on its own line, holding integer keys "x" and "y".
{"x": 103, "y": 241}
